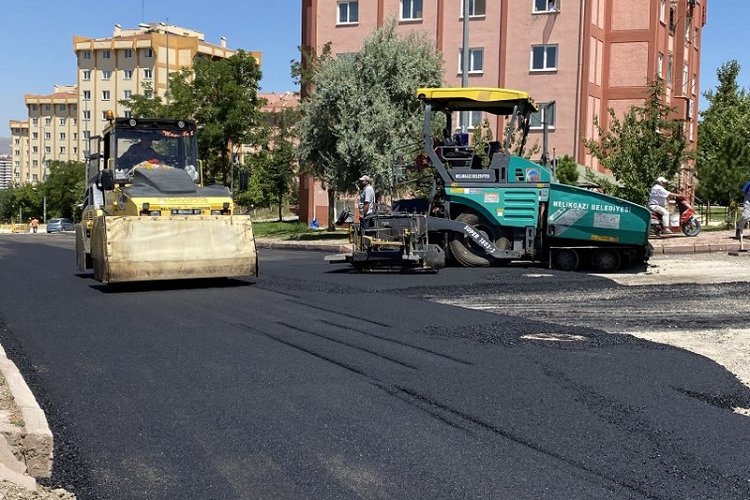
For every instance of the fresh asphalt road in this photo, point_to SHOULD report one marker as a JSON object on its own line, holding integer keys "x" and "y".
{"x": 315, "y": 382}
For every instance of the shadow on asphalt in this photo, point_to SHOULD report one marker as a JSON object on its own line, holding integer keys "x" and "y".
{"x": 167, "y": 285}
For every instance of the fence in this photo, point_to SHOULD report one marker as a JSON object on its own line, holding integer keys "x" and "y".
{"x": 716, "y": 215}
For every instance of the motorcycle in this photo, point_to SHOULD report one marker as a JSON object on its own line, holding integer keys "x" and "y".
{"x": 684, "y": 220}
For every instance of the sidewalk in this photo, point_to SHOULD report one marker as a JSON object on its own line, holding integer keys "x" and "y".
{"x": 706, "y": 242}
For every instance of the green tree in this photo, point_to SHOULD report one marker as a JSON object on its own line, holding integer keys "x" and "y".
{"x": 222, "y": 97}
{"x": 639, "y": 147}
{"x": 23, "y": 201}
{"x": 64, "y": 187}
{"x": 567, "y": 170}
{"x": 723, "y": 157}
{"x": 363, "y": 116}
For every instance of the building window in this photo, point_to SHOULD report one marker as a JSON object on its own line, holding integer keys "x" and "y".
{"x": 127, "y": 94}
{"x": 477, "y": 8}
{"x": 147, "y": 73}
{"x": 128, "y": 114}
{"x": 62, "y": 150}
{"x": 105, "y": 95}
{"x": 75, "y": 135}
{"x": 543, "y": 57}
{"x": 62, "y": 136}
{"x": 149, "y": 52}
{"x": 663, "y": 11}
{"x": 106, "y": 54}
{"x": 48, "y": 121}
{"x": 688, "y": 27}
{"x": 86, "y": 95}
{"x": 87, "y": 54}
{"x": 128, "y": 74}
{"x": 694, "y": 85}
{"x": 348, "y": 13}
{"x": 87, "y": 115}
{"x": 411, "y": 10}
{"x": 47, "y": 149}
{"x": 670, "y": 69}
{"x": 672, "y": 17}
{"x": 47, "y": 107}
{"x": 35, "y": 121}
{"x": 33, "y": 107}
{"x": 34, "y": 149}
{"x": 106, "y": 74}
{"x": 104, "y": 116}
{"x": 476, "y": 61}
{"x": 35, "y": 135}
{"x": 660, "y": 65}
{"x": 128, "y": 53}
{"x": 73, "y": 109}
{"x": 17, "y": 141}
{"x": 62, "y": 121}
{"x": 473, "y": 120}
{"x": 75, "y": 151}
{"x": 546, "y": 113}
{"x": 47, "y": 136}
{"x": 543, "y": 6}
{"x": 685, "y": 79}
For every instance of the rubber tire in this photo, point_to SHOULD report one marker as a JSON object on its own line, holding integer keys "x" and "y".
{"x": 503, "y": 243}
{"x": 465, "y": 255}
{"x": 606, "y": 260}
{"x": 692, "y": 227}
{"x": 565, "y": 259}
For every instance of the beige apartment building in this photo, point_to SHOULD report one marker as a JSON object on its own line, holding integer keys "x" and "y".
{"x": 577, "y": 58}
{"x": 112, "y": 69}
{"x": 108, "y": 71}
{"x": 19, "y": 151}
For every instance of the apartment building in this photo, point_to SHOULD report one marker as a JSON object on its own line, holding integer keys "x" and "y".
{"x": 577, "y": 58}
{"x": 112, "y": 69}
{"x": 6, "y": 171}
{"x": 19, "y": 151}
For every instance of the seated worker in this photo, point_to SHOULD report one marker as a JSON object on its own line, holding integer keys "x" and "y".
{"x": 138, "y": 152}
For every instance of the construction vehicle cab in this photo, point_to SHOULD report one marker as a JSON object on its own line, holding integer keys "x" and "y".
{"x": 147, "y": 214}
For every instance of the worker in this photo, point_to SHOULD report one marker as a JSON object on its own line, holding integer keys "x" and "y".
{"x": 138, "y": 152}
{"x": 742, "y": 222}
{"x": 657, "y": 202}
{"x": 34, "y": 224}
{"x": 366, "y": 199}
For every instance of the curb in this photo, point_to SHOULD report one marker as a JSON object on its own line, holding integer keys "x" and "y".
{"x": 698, "y": 248}
{"x": 34, "y": 440}
{"x": 298, "y": 245}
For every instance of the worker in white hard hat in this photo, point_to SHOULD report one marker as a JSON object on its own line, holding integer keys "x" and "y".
{"x": 366, "y": 199}
{"x": 657, "y": 202}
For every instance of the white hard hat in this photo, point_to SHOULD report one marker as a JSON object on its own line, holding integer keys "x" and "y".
{"x": 661, "y": 180}
{"x": 365, "y": 178}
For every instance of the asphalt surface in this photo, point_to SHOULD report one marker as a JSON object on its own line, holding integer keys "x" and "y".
{"x": 316, "y": 382}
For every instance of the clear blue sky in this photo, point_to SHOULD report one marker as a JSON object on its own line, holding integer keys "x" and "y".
{"x": 46, "y": 29}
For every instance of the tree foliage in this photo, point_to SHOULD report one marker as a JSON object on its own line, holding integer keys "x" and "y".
{"x": 62, "y": 189}
{"x": 363, "y": 116}
{"x": 567, "y": 170}
{"x": 723, "y": 155}
{"x": 640, "y": 146}
{"x": 222, "y": 96}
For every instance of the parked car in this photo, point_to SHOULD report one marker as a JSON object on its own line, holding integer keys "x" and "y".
{"x": 59, "y": 225}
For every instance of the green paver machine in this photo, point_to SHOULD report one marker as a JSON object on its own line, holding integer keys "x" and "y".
{"x": 493, "y": 208}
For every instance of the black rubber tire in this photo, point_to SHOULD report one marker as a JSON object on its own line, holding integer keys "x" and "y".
{"x": 691, "y": 227}
{"x": 503, "y": 243}
{"x": 606, "y": 260}
{"x": 565, "y": 259}
{"x": 463, "y": 250}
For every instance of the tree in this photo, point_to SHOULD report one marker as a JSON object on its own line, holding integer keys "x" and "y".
{"x": 723, "y": 157}
{"x": 222, "y": 97}
{"x": 363, "y": 116}
{"x": 567, "y": 171}
{"x": 64, "y": 188}
{"x": 641, "y": 146}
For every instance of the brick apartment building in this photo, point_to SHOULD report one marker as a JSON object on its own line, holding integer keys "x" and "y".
{"x": 585, "y": 56}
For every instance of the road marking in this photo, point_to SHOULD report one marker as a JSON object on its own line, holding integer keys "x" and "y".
{"x": 554, "y": 337}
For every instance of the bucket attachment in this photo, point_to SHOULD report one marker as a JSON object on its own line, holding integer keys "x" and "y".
{"x": 132, "y": 248}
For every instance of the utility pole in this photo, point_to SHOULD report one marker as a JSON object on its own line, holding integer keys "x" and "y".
{"x": 465, "y": 61}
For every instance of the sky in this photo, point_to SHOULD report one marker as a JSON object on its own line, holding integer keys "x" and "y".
{"x": 45, "y": 29}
